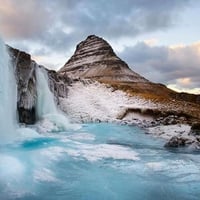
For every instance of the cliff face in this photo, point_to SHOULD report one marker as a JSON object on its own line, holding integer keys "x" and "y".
{"x": 95, "y": 59}
{"x": 26, "y": 85}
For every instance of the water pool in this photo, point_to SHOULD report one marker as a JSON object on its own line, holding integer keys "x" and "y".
{"x": 99, "y": 161}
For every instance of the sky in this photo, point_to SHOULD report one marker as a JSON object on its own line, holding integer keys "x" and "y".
{"x": 159, "y": 39}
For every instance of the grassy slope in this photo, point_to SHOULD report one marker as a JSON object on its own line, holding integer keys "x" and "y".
{"x": 167, "y": 100}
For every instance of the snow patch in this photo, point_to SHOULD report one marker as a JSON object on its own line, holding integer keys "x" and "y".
{"x": 168, "y": 131}
{"x": 98, "y": 102}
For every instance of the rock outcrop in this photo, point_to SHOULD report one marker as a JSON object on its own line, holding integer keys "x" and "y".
{"x": 95, "y": 59}
{"x": 26, "y": 85}
{"x": 176, "y": 141}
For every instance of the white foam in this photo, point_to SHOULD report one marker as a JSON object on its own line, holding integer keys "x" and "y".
{"x": 44, "y": 174}
{"x": 55, "y": 123}
{"x": 26, "y": 133}
{"x": 10, "y": 168}
{"x": 155, "y": 165}
{"x": 82, "y": 136}
{"x": 91, "y": 152}
{"x": 102, "y": 151}
{"x": 53, "y": 153}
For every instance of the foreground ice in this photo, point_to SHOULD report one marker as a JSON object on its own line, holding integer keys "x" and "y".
{"x": 98, "y": 161}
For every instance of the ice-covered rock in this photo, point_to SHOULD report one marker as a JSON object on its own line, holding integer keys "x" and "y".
{"x": 26, "y": 90}
{"x": 176, "y": 141}
{"x": 25, "y": 69}
{"x": 195, "y": 129}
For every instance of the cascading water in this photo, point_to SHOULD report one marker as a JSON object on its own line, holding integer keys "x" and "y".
{"x": 8, "y": 96}
{"x": 45, "y": 100}
{"x": 52, "y": 118}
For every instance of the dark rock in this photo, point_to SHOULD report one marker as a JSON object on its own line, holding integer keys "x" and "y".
{"x": 26, "y": 116}
{"x": 194, "y": 98}
{"x": 26, "y": 85}
{"x": 176, "y": 141}
{"x": 195, "y": 126}
{"x": 59, "y": 84}
{"x": 195, "y": 129}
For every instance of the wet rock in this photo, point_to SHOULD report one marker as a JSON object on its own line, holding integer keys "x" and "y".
{"x": 59, "y": 84}
{"x": 26, "y": 116}
{"x": 195, "y": 129}
{"x": 176, "y": 141}
{"x": 26, "y": 85}
{"x": 25, "y": 69}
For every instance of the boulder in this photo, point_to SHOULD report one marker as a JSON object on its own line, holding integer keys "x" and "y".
{"x": 195, "y": 129}
{"x": 176, "y": 141}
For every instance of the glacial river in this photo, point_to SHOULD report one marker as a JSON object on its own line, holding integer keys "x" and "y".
{"x": 97, "y": 162}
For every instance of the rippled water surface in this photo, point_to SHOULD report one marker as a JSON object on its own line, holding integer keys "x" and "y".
{"x": 99, "y": 161}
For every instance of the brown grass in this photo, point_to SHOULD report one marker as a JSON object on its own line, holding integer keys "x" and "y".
{"x": 158, "y": 94}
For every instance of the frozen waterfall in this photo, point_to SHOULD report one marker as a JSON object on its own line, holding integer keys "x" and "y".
{"x": 51, "y": 118}
{"x": 8, "y": 96}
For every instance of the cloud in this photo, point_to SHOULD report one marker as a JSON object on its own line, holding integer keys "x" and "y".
{"x": 179, "y": 65}
{"x": 116, "y": 18}
{"x": 61, "y": 24}
{"x": 23, "y": 19}
{"x": 45, "y": 28}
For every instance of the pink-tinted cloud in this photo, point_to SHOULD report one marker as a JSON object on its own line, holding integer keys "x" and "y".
{"x": 23, "y": 19}
{"x": 178, "y": 64}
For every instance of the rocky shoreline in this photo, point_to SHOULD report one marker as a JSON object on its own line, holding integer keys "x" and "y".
{"x": 177, "y": 132}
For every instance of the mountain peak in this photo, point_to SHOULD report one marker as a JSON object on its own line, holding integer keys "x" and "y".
{"x": 94, "y": 58}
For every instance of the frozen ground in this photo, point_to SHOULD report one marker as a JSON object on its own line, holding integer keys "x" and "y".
{"x": 98, "y": 102}
{"x": 95, "y": 102}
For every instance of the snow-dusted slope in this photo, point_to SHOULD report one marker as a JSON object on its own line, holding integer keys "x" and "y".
{"x": 90, "y": 101}
{"x": 97, "y": 102}
{"x": 94, "y": 58}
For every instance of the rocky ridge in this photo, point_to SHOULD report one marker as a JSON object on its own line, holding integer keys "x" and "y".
{"x": 95, "y": 59}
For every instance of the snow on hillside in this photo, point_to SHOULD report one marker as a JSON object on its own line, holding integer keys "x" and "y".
{"x": 98, "y": 102}
{"x": 95, "y": 102}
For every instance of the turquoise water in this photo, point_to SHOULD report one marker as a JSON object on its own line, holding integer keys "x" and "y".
{"x": 97, "y": 162}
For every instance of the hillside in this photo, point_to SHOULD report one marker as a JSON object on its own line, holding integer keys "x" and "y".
{"x": 95, "y": 59}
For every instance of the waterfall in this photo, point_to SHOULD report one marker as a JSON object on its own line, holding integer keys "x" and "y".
{"x": 8, "y": 96}
{"x": 45, "y": 99}
{"x": 51, "y": 118}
